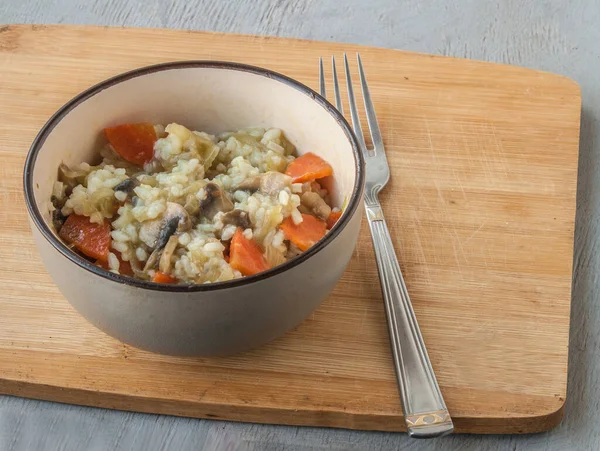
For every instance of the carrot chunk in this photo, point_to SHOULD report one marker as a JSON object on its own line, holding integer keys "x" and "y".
{"x": 162, "y": 277}
{"x": 134, "y": 142}
{"x": 308, "y": 167}
{"x": 333, "y": 218}
{"x": 125, "y": 267}
{"x": 246, "y": 256}
{"x": 90, "y": 239}
{"x": 305, "y": 234}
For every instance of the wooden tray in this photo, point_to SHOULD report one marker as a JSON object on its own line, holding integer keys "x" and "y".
{"x": 481, "y": 207}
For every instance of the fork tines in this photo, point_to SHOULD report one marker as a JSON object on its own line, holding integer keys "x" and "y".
{"x": 369, "y": 109}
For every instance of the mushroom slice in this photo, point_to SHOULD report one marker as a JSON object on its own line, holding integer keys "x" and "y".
{"x": 304, "y": 210}
{"x": 152, "y": 259}
{"x": 58, "y": 219}
{"x": 174, "y": 219}
{"x": 214, "y": 201}
{"x": 174, "y": 210}
{"x": 249, "y": 184}
{"x": 316, "y": 204}
{"x": 168, "y": 230}
{"x": 127, "y": 186}
{"x": 158, "y": 232}
{"x": 164, "y": 238}
{"x": 271, "y": 182}
{"x": 164, "y": 264}
{"x": 238, "y": 218}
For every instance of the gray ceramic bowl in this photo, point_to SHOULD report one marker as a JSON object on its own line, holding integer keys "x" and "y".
{"x": 208, "y": 319}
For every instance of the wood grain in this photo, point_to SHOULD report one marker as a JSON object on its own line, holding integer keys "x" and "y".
{"x": 481, "y": 208}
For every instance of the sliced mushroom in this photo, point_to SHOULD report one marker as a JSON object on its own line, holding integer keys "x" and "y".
{"x": 238, "y": 218}
{"x": 293, "y": 251}
{"x": 313, "y": 186}
{"x": 151, "y": 262}
{"x": 316, "y": 204}
{"x": 167, "y": 232}
{"x": 271, "y": 182}
{"x": 175, "y": 210}
{"x": 214, "y": 201}
{"x": 58, "y": 219}
{"x": 164, "y": 238}
{"x": 304, "y": 210}
{"x": 135, "y": 267}
{"x": 157, "y": 232}
{"x": 164, "y": 264}
{"x": 149, "y": 232}
{"x": 127, "y": 186}
{"x": 249, "y": 184}
{"x": 274, "y": 182}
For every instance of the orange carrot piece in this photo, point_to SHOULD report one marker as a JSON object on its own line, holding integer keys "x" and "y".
{"x": 162, "y": 277}
{"x": 90, "y": 239}
{"x": 246, "y": 255}
{"x": 333, "y": 218}
{"x": 305, "y": 234}
{"x": 308, "y": 167}
{"x": 134, "y": 142}
{"x": 125, "y": 267}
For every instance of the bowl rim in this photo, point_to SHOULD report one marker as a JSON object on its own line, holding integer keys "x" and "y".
{"x": 75, "y": 258}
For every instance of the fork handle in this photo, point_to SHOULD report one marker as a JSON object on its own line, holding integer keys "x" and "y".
{"x": 425, "y": 411}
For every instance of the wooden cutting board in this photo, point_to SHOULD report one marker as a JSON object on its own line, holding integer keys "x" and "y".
{"x": 481, "y": 207}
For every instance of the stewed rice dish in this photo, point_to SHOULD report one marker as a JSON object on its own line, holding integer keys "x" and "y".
{"x": 171, "y": 205}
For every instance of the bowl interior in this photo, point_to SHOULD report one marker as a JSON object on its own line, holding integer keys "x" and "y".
{"x": 204, "y": 97}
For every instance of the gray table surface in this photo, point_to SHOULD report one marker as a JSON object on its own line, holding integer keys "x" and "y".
{"x": 554, "y": 35}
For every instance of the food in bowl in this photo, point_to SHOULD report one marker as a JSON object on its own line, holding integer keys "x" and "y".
{"x": 198, "y": 319}
{"x": 171, "y": 205}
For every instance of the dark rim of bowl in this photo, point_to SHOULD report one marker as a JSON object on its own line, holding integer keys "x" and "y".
{"x": 58, "y": 244}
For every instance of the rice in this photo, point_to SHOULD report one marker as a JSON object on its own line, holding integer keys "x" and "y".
{"x": 186, "y": 169}
{"x": 284, "y": 198}
{"x": 228, "y": 232}
{"x": 184, "y": 239}
{"x": 97, "y": 195}
{"x": 113, "y": 262}
{"x": 297, "y": 217}
{"x": 141, "y": 254}
{"x": 278, "y": 239}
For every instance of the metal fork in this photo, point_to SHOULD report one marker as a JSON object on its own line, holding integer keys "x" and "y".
{"x": 425, "y": 411}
